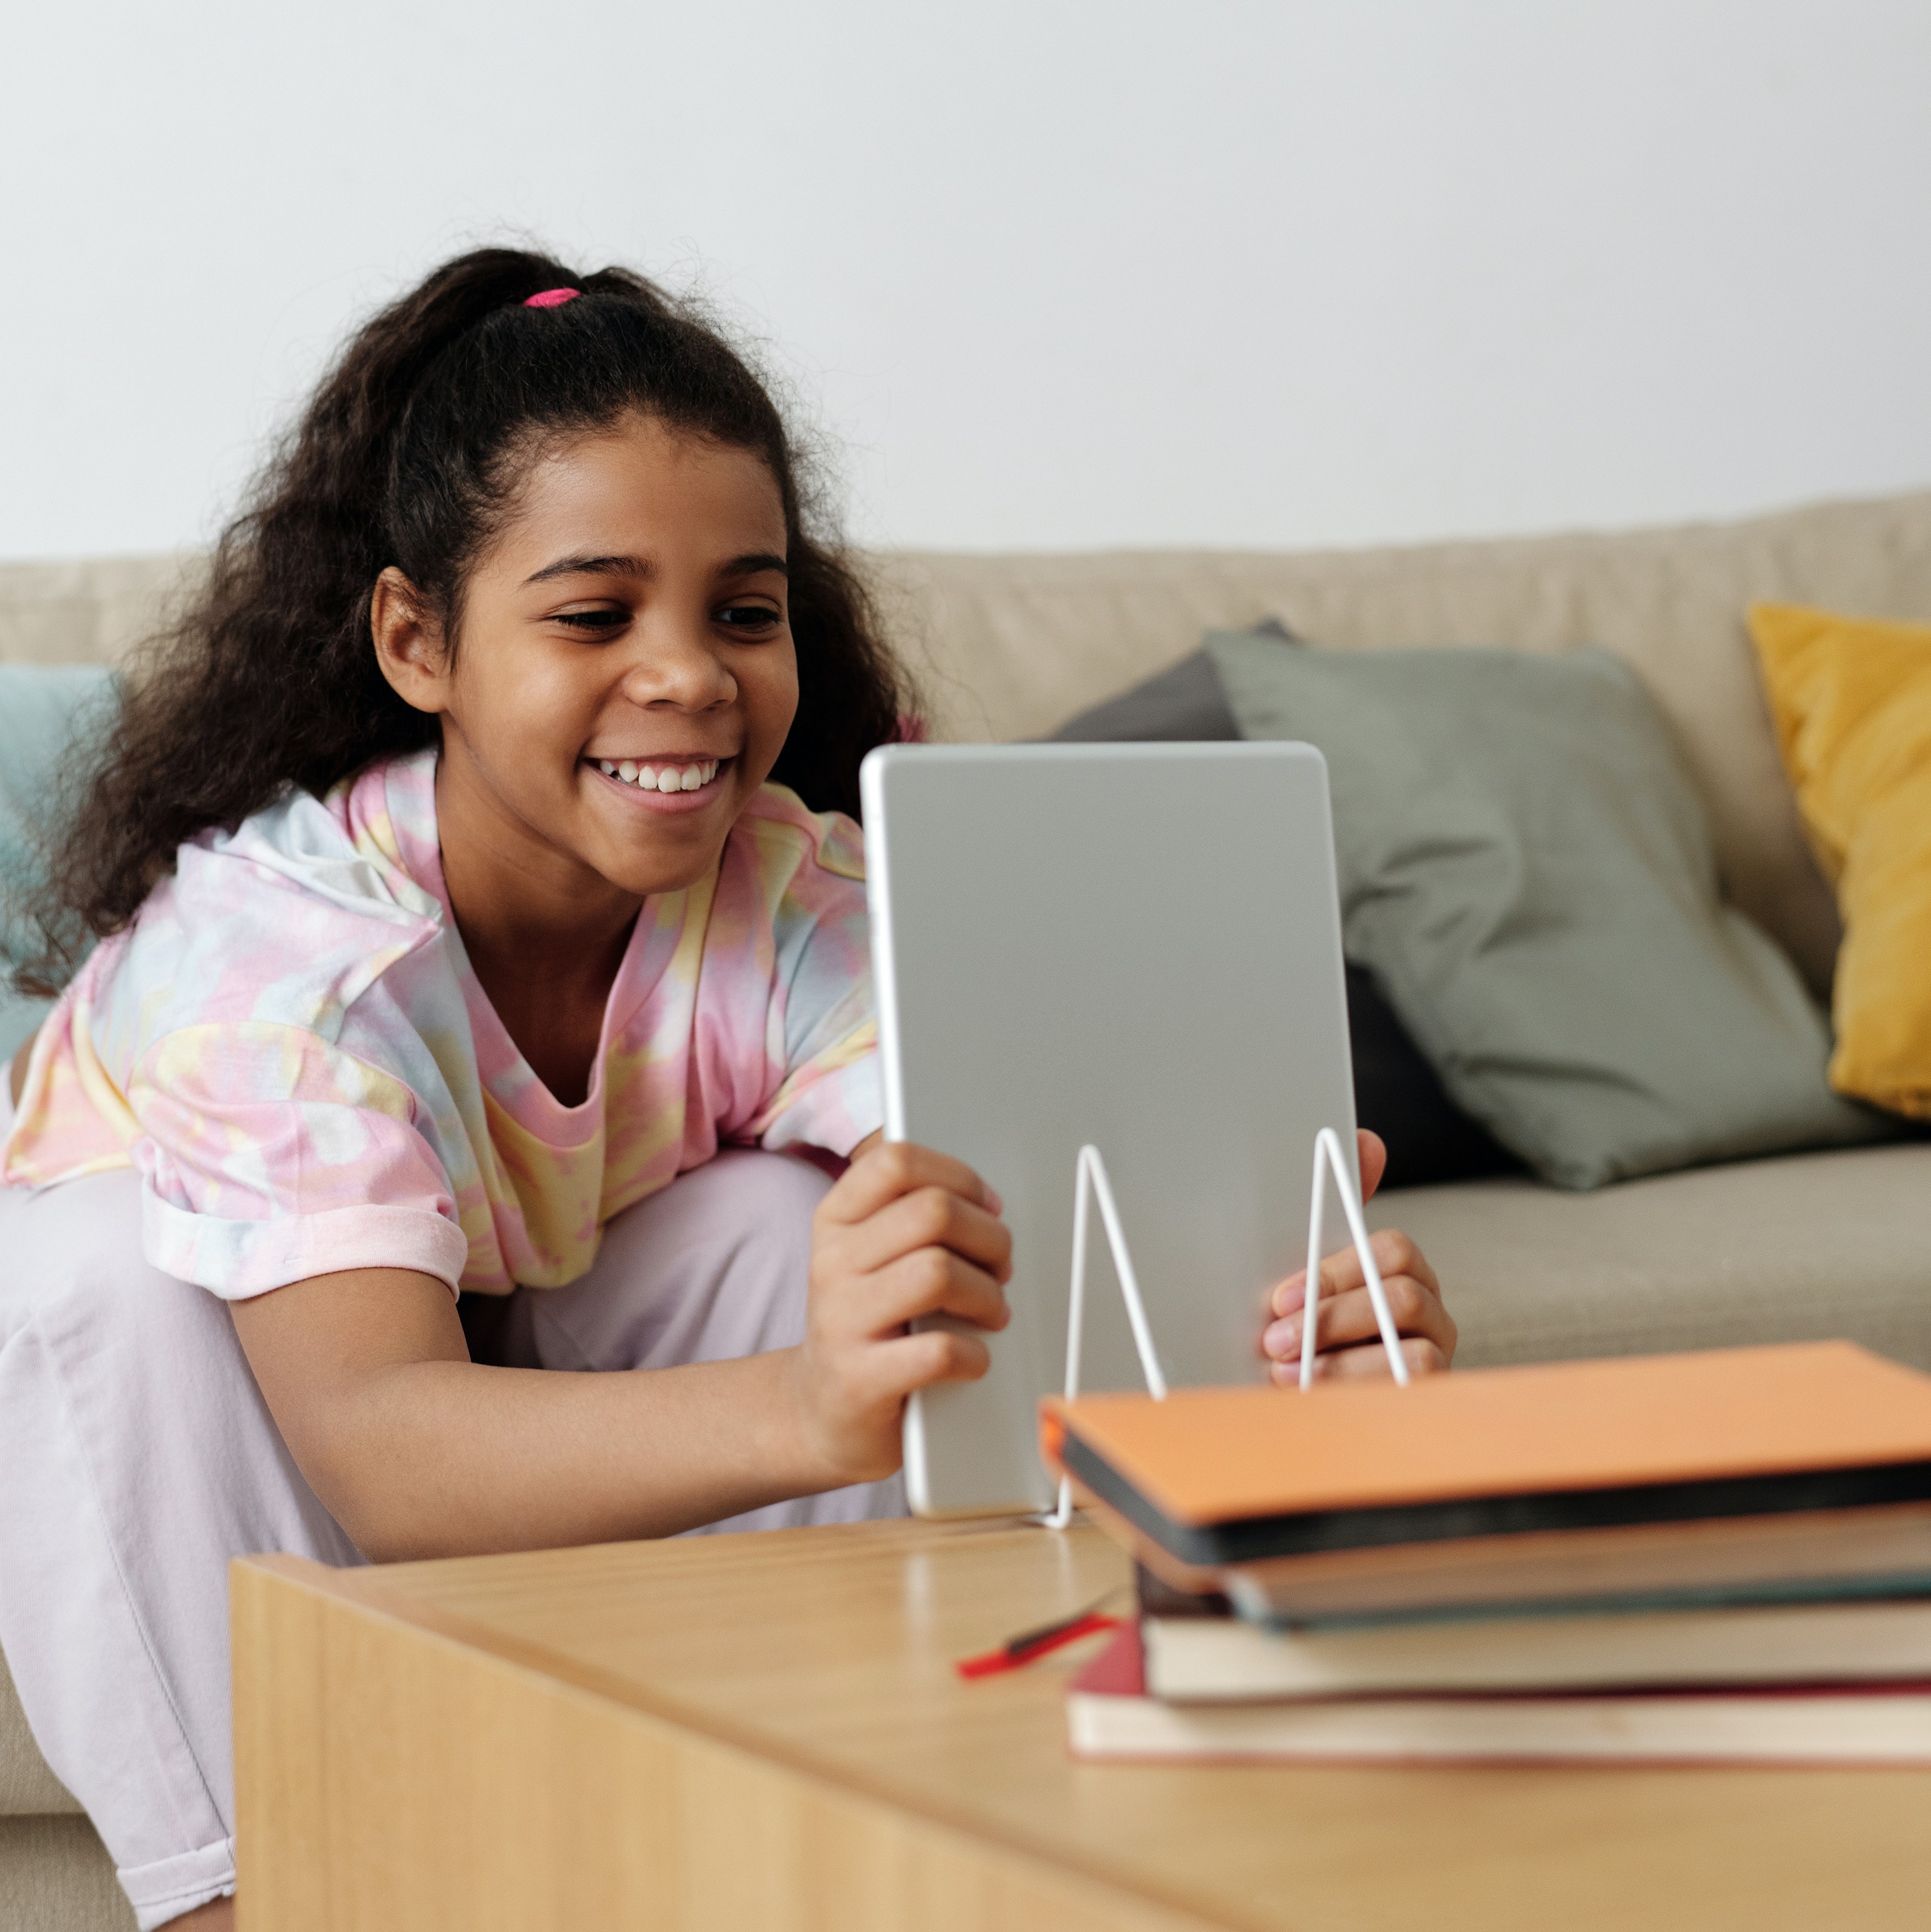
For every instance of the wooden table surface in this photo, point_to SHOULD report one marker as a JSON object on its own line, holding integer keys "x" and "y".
{"x": 767, "y": 1732}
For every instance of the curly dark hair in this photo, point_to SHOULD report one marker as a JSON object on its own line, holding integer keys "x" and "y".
{"x": 408, "y": 454}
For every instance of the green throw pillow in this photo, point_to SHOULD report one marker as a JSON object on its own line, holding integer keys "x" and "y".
{"x": 1526, "y": 870}
{"x": 45, "y": 711}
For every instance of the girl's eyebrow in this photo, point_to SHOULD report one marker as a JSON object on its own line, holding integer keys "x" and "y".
{"x": 749, "y": 564}
{"x": 590, "y": 566}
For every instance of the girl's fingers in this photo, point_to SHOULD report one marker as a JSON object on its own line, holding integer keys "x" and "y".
{"x": 895, "y": 1168}
{"x": 1346, "y": 1319}
{"x": 930, "y": 1217}
{"x": 1423, "y": 1357}
{"x": 1371, "y": 1152}
{"x": 909, "y": 1362}
{"x": 1394, "y": 1254}
{"x": 933, "y": 1281}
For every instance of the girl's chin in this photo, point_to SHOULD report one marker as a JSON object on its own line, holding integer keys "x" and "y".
{"x": 664, "y": 804}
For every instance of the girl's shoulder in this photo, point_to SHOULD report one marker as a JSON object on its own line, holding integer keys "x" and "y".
{"x": 781, "y": 835}
{"x": 289, "y": 918}
{"x": 370, "y": 845}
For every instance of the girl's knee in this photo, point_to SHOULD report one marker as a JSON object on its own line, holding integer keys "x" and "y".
{"x": 714, "y": 1265}
{"x": 76, "y": 1275}
{"x": 744, "y": 1192}
{"x": 81, "y": 1236}
{"x": 786, "y": 1186}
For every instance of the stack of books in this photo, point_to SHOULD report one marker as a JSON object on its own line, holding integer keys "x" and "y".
{"x": 1708, "y": 1557}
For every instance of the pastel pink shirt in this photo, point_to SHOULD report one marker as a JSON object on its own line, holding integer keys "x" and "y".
{"x": 291, "y": 1048}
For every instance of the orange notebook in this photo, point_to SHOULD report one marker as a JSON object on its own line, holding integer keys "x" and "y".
{"x": 1647, "y": 1450}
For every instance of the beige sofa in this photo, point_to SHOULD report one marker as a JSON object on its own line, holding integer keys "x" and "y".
{"x": 1009, "y": 646}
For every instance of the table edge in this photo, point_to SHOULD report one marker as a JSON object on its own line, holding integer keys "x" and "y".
{"x": 365, "y": 1590}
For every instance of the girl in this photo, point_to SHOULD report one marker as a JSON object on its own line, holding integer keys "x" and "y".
{"x": 477, "y": 914}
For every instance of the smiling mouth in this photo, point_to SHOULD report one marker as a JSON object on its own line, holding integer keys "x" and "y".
{"x": 677, "y": 774}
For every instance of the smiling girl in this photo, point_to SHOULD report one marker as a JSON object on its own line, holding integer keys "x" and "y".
{"x": 480, "y": 923}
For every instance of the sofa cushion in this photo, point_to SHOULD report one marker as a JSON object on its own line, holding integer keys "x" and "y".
{"x": 27, "y": 1786}
{"x": 1400, "y": 1096}
{"x": 1397, "y": 1092}
{"x": 1182, "y": 704}
{"x": 55, "y": 1876}
{"x": 43, "y": 709}
{"x": 1526, "y": 870}
{"x": 1852, "y": 701}
{"x": 1800, "y": 1248}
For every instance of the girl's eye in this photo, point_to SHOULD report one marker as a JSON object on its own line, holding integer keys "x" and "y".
{"x": 595, "y": 623}
{"x": 748, "y": 619}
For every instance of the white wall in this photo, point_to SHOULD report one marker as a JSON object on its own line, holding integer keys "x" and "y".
{"x": 1052, "y": 274}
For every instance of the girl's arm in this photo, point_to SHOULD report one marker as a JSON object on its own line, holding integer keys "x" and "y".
{"x": 417, "y": 1451}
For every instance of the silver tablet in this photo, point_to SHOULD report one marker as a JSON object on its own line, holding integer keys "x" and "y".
{"x": 1137, "y": 946}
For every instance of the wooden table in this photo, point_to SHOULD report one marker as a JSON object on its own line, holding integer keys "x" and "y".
{"x": 766, "y": 1732}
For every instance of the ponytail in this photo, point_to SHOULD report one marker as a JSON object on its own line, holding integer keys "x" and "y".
{"x": 408, "y": 455}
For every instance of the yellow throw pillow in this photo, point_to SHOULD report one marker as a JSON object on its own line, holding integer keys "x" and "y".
{"x": 1851, "y": 698}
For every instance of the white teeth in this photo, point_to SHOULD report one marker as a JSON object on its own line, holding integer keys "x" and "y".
{"x": 669, "y": 778}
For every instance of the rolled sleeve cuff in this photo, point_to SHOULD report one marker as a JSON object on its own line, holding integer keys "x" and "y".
{"x": 237, "y": 1259}
{"x": 835, "y": 1111}
{"x": 164, "y": 1891}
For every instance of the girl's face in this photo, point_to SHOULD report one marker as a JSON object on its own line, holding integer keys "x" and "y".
{"x": 626, "y": 676}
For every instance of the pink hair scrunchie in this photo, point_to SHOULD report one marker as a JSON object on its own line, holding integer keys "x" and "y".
{"x": 552, "y": 298}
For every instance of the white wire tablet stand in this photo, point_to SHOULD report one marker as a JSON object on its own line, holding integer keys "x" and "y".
{"x": 1090, "y": 1182}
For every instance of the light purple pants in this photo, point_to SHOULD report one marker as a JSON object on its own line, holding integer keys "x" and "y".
{"x": 137, "y": 1456}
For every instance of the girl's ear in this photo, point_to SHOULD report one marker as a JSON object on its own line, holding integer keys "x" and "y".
{"x": 409, "y": 644}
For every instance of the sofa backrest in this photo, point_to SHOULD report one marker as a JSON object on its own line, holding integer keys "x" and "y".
{"x": 1010, "y": 645}
{"x": 1007, "y": 647}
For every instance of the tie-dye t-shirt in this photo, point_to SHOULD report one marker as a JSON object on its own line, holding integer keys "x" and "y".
{"x": 291, "y": 1048}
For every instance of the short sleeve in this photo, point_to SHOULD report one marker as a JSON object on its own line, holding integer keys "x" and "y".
{"x": 830, "y": 1095}
{"x": 267, "y": 1155}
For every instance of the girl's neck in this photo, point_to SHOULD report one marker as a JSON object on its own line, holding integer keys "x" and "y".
{"x": 544, "y": 941}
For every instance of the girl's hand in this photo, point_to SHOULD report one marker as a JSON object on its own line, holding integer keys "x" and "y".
{"x": 906, "y": 1232}
{"x": 1347, "y": 1340}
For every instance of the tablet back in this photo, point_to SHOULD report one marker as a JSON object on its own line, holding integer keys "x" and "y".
{"x": 1137, "y": 946}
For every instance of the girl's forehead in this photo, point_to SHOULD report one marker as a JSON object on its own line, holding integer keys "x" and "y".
{"x": 641, "y": 485}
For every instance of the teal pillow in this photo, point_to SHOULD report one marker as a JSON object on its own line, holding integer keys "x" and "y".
{"x": 46, "y": 711}
{"x": 1526, "y": 870}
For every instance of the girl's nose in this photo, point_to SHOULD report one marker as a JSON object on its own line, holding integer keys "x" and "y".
{"x": 677, "y": 665}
